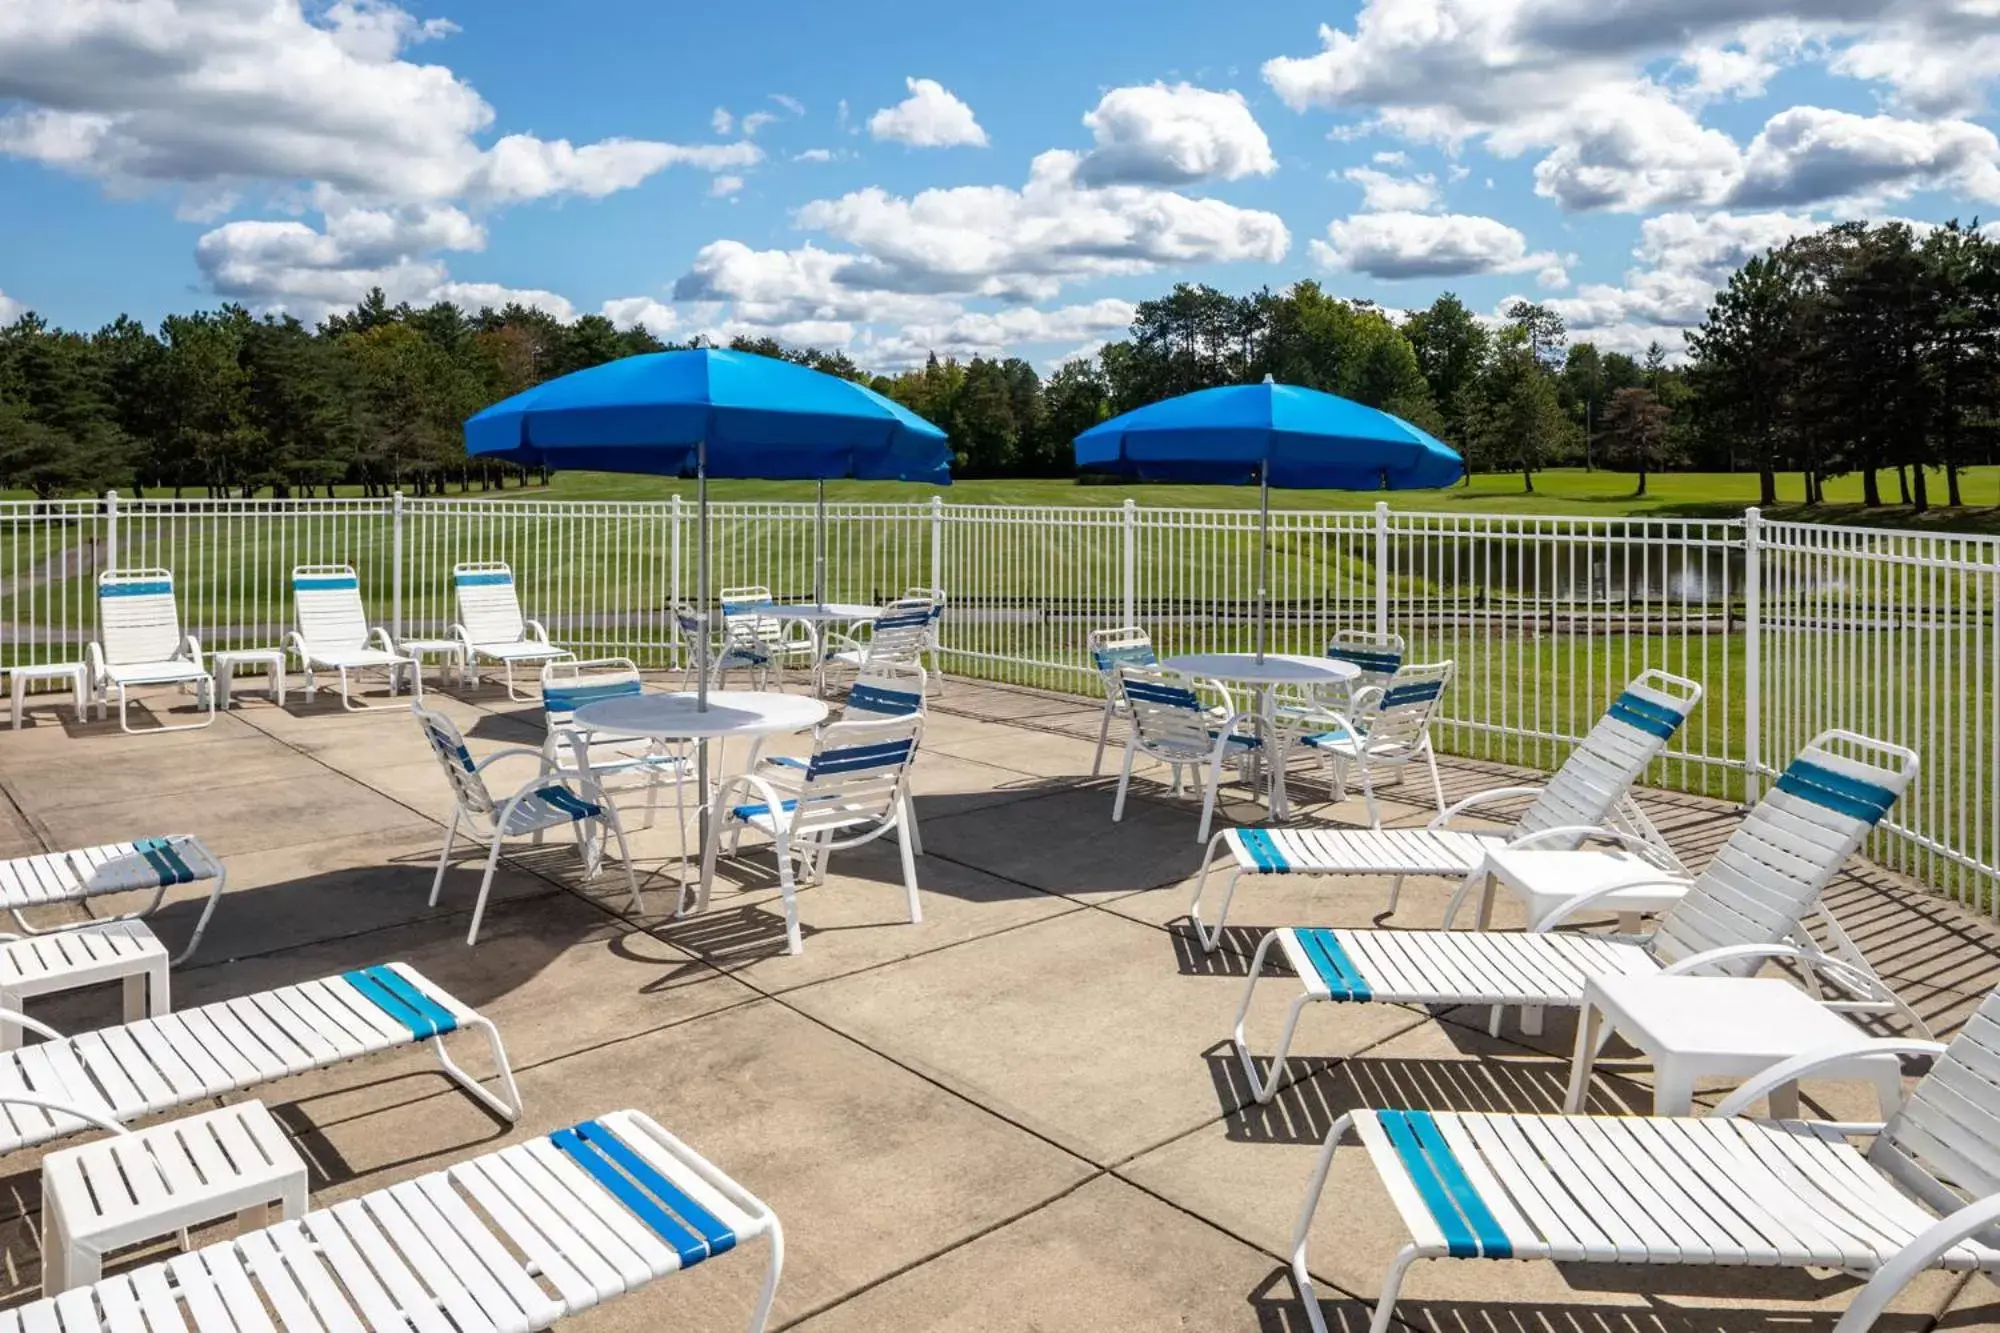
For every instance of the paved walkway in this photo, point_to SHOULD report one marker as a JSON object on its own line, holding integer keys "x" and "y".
{"x": 1015, "y": 1116}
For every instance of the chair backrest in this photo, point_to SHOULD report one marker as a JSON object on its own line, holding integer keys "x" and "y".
{"x": 936, "y": 598}
{"x": 745, "y": 619}
{"x": 1600, "y": 771}
{"x": 902, "y": 631}
{"x": 1944, "y": 1144}
{"x": 1126, "y": 646}
{"x": 137, "y": 617}
{"x": 569, "y": 685}
{"x": 1766, "y": 878}
{"x": 488, "y": 605}
{"x": 1167, "y": 716}
{"x": 1398, "y": 716}
{"x": 885, "y": 689}
{"x": 467, "y": 787}
{"x": 327, "y": 601}
{"x": 857, "y": 771}
{"x": 1378, "y": 655}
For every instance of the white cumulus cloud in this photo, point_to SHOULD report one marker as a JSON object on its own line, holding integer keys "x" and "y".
{"x": 1382, "y": 192}
{"x": 642, "y": 312}
{"x": 1162, "y": 134}
{"x": 1430, "y": 245}
{"x": 930, "y": 117}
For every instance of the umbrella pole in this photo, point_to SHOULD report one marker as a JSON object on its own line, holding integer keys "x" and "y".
{"x": 1263, "y": 556}
{"x": 819, "y": 545}
{"x": 706, "y": 816}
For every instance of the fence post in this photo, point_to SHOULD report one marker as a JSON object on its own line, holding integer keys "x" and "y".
{"x": 111, "y": 529}
{"x": 1753, "y": 653}
{"x": 674, "y": 579}
{"x": 937, "y": 542}
{"x": 396, "y": 565}
{"x": 1128, "y": 566}
{"x": 1381, "y": 566}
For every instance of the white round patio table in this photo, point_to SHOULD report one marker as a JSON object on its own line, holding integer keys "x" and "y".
{"x": 1263, "y": 673}
{"x": 821, "y": 613}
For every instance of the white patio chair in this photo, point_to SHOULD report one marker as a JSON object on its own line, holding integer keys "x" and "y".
{"x": 490, "y": 624}
{"x": 748, "y": 625}
{"x": 1722, "y": 1189}
{"x": 885, "y": 690}
{"x": 1390, "y": 728}
{"x": 112, "y": 1075}
{"x": 1109, "y": 650}
{"x": 516, "y": 1238}
{"x": 543, "y": 802}
{"x": 53, "y": 879}
{"x": 933, "y": 649}
{"x": 1170, "y": 724}
{"x": 855, "y": 789}
{"x": 723, "y": 655}
{"x": 1589, "y": 796}
{"x": 1746, "y": 908}
{"x": 898, "y": 635}
{"x": 334, "y": 634}
{"x": 1377, "y": 656}
{"x": 567, "y": 754}
{"x": 140, "y": 643}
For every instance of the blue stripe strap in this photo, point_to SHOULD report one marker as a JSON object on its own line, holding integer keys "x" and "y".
{"x": 404, "y": 990}
{"x": 370, "y": 987}
{"x": 689, "y": 1247}
{"x": 1263, "y": 849}
{"x": 875, "y": 699}
{"x": 135, "y": 590}
{"x": 719, "y": 1237}
{"x": 858, "y": 758}
{"x": 1493, "y": 1242}
{"x": 1169, "y": 696}
{"x": 569, "y": 698}
{"x": 1136, "y": 655}
{"x": 1836, "y": 791}
{"x": 749, "y": 812}
{"x": 1422, "y": 692}
{"x": 330, "y": 583}
{"x": 567, "y": 802}
{"x": 1645, "y": 715}
{"x": 903, "y": 622}
{"x": 484, "y": 580}
{"x": 166, "y": 862}
{"x": 1342, "y": 978}
{"x": 1385, "y": 663}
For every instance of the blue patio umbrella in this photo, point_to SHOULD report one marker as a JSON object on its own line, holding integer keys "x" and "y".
{"x": 1273, "y": 434}
{"x": 714, "y": 413}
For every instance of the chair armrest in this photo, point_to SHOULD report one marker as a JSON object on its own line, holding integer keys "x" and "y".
{"x": 1361, "y": 698}
{"x": 191, "y": 646}
{"x": 766, "y": 792}
{"x": 535, "y": 631}
{"x": 459, "y": 632}
{"x": 511, "y": 752}
{"x": 1480, "y": 798}
{"x": 93, "y": 661}
{"x": 1585, "y": 900}
{"x": 16, "y": 1018}
{"x": 1650, "y": 851}
{"x": 1922, "y": 1251}
{"x": 295, "y": 644}
{"x": 62, "y": 1108}
{"x": 1792, "y": 1070}
{"x": 380, "y": 634}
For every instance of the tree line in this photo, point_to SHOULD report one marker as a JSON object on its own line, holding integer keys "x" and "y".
{"x": 1858, "y": 348}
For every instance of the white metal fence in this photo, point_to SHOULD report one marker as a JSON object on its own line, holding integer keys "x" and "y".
{"x": 1791, "y": 627}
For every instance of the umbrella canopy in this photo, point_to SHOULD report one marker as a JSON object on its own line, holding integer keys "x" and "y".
{"x": 1298, "y": 439}
{"x": 753, "y": 416}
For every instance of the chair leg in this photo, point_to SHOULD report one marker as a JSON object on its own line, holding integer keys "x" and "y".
{"x": 1437, "y": 783}
{"x": 1124, "y": 782}
{"x": 507, "y": 1104}
{"x": 625, "y": 859}
{"x": 444, "y": 857}
{"x": 1103, "y": 735}
{"x": 788, "y": 889}
{"x": 1368, "y": 795}
{"x": 904, "y": 843}
{"x": 485, "y": 887}
{"x": 1209, "y": 938}
{"x": 773, "y": 1269}
{"x": 1260, "y": 1089}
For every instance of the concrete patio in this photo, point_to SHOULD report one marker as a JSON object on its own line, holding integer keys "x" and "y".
{"x": 1018, "y": 1115}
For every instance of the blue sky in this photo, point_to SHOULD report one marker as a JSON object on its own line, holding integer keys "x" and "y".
{"x": 896, "y": 179}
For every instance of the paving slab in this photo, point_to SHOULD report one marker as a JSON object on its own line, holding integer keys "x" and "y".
{"x": 1036, "y": 753}
{"x": 1976, "y": 1304}
{"x": 1248, "y": 1174}
{"x": 1074, "y": 1026}
{"x": 1107, "y": 1256}
{"x": 869, "y": 1167}
{"x": 222, "y": 766}
{"x": 1064, "y": 842}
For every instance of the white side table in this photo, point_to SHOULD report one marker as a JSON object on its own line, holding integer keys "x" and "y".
{"x": 163, "y": 1179}
{"x": 1546, "y": 878}
{"x": 449, "y": 652}
{"x": 76, "y": 673}
{"x": 1719, "y": 1027}
{"x": 67, "y": 960}
{"x": 228, "y": 660}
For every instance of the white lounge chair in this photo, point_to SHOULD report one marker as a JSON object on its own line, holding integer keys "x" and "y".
{"x": 1722, "y": 1189}
{"x": 52, "y": 878}
{"x": 1389, "y": 728}
{"x": 855, "y": 789}
{"x": 140, "y": 643}
{"x": 1589, "y": 796}
{"x": 1743, "y": 910}
{"x": 334, "y": 634}
{"x": 1170, "y": 725}
{"x": 491, "y": 626}
{"x": 515, "y": 1239}
{"x": 570, "y": 684}
{"x": 543, "y": 802}
{"x": 1110, "y": 649}
{"x": 117, "y": 1074}
{"x": 901, "y": 634}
